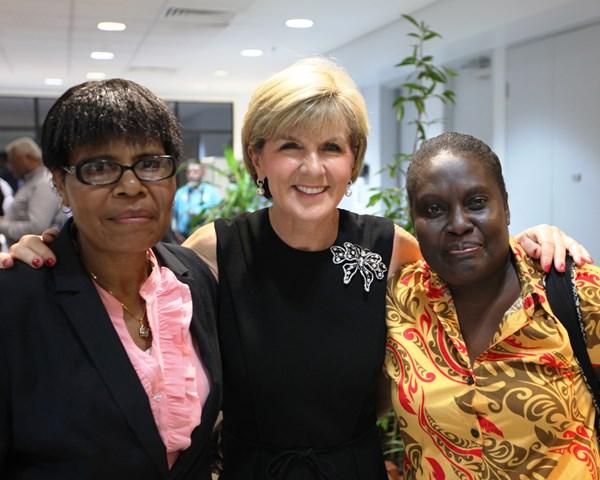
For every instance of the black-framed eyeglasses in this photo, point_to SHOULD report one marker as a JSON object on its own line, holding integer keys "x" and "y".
{"x": 105, "y": 171}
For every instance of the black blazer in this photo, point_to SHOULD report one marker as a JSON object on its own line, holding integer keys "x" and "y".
{"x": 71, "y": 404}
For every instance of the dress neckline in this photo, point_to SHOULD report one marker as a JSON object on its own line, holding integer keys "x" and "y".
{"x": 276, "y": 239}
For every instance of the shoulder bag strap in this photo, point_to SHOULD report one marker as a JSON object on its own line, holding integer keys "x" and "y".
{"x": 562, "y": 296}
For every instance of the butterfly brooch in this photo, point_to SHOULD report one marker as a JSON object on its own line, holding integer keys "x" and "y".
{"x": 357, "y": 259}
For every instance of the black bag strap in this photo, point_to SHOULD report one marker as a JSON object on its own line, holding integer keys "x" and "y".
{"x": 564, "y": 301}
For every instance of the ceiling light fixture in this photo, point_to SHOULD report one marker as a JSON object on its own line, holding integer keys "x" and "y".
{"x": 251, "y": 52}
{"x": 111, "y": 26}
{"x": 53, "y": 82}
{"x": 220, "y": 73}
{"x": 102, "y": 55}
{"x": 299, "y": 23}
{"x": 95, "y": 75}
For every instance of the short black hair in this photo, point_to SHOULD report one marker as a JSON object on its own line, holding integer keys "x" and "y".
{"x": 456, "y": 143}
{"x": 98, "y": 112}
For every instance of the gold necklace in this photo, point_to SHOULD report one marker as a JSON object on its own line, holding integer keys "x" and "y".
{"x": 144, "y": 329}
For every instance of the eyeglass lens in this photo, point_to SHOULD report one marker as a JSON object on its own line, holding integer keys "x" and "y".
{"x": 148, "y": 168}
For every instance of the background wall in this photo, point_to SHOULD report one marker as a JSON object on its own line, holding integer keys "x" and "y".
{"x": 528, "y": 86}
{"x": 553, "y": 141}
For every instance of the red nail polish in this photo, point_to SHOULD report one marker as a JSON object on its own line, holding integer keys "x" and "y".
{"x": 562, "y": 267}
{"x": 546, "y": 267}
{"x": 36, "y": 262}
{"x": 50, "y": 262}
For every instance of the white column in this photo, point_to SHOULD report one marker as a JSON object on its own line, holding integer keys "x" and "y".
{"x": 240, "y": 105}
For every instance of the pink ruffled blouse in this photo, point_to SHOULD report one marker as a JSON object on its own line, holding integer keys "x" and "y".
{"x": 170, "y": 370}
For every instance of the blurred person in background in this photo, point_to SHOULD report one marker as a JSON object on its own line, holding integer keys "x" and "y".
{"x": 191, "y": 200}
{"x": 6, "y": 198}
{"x": 36, "y": 206}
{"x": 5, "y": 173}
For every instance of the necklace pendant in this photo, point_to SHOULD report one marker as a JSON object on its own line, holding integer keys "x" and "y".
{"x": 144, "y": 331}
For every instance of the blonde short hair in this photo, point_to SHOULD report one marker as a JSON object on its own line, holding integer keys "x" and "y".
{"x": 311, "y": 94}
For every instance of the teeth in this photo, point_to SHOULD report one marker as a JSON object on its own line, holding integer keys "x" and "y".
{"x": 310, "y": 190}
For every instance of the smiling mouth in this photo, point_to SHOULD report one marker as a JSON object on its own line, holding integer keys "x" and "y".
{"x": 310, "y": 190}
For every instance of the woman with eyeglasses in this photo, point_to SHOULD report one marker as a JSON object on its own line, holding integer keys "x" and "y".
{"x": 109, "y": 363}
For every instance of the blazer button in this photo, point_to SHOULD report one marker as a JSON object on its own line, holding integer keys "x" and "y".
{"x": 475, "y": 432}
{"x": 470, "y": 380}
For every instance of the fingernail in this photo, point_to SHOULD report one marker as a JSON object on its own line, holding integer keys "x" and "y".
{"x": 50, "y": 262}
{"x": 36, "y": 262}
{"x": 561, "y": 267}
{"x": 546, "y": 267}
{"x": 6, "y": 263}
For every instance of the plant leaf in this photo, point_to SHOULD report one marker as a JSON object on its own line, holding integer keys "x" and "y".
{"x": 431, "y": 34}
{"x": 400, "y": 111}
{"x": 399, "y": 100}
{"x": 411, "y": 20}
{"x": 413, "y": 86}
{"x": 406, "y": 61}
{"x": 450, "y": 72}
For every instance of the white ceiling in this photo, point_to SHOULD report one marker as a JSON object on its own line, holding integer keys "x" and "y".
{"x": 176, "y": 58}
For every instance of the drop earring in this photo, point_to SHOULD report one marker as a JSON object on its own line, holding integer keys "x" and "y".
{"x": 348, "y": 189}
{"x": 260, "y": 190}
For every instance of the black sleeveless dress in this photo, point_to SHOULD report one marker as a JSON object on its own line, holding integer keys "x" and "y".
{"x": 302, "y": 350}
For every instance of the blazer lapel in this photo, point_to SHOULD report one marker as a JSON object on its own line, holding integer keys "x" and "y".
{"x": 87, "y": 314}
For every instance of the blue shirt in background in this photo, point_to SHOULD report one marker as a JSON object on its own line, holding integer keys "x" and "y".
{"x": 191, "y": 201}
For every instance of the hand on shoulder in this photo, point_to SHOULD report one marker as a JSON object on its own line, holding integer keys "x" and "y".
{"x": 33, "y": 250}
{"x": 549, "y": 244}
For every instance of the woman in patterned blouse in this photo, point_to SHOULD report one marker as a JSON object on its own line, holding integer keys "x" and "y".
{"x": 486, "y": 385}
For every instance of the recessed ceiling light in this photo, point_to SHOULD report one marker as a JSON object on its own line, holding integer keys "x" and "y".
{"x": 220, "y": 73}
{"x": 95, "y": 75}
{"x": 102, "y": 55}
{"x": 299, "y": 23}
{"x": 251, "y": 52}
{"x": 111, "y": 26}
{"x": 53, "y": 82}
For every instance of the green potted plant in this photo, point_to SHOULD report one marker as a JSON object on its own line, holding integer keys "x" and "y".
{"x": 426, "y": 82}
{"x": 240, "y": 194}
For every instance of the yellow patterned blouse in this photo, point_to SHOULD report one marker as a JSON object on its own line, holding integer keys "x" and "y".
{"x": 521, "y": 411}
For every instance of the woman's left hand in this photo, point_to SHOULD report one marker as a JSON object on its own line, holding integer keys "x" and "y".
{"x": 549, "y": 243}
